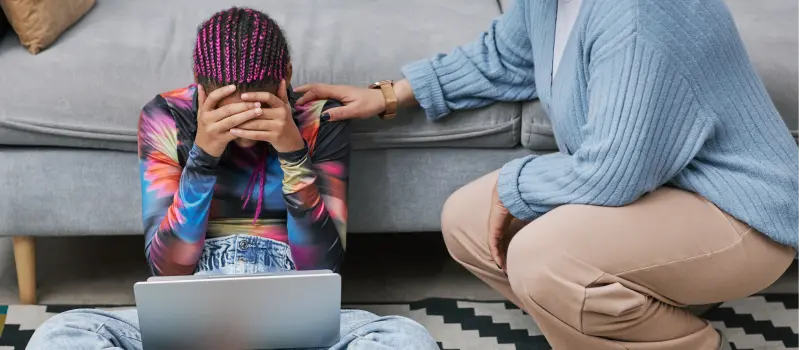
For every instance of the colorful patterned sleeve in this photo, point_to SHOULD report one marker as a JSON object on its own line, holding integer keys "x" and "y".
{"x": 315, "y": 191}
{"x": 175, "y": 199}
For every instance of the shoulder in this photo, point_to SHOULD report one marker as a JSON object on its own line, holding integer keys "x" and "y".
{"x": 686, "y": 19}
{"x": 156, "y": 117}
{"x": 657, "y": 11}
{"x": 170, "y": 102}
{"x": 309, "y": 121}
{"x": 683, "y": 31}
{"x": 181, "y": 98}
{"x": 176, "y": 106}
{"x": 158, "y": 126}
{"x": 685, "y": 22}
{"x": 321, "y": 134}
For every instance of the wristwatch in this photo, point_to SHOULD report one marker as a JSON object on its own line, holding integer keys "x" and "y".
{"x": 387, "y": 87}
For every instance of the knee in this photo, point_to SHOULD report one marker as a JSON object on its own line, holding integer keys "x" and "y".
{"x": 391, "y": 332}
{"x": 548, "y": 277}
{"x": 49, "y": 334}
{"x": 451, "y": 212}
{"x": 78, "y": 318}
{"x": 545, "y": 277}
{"x": 453, "y": 230}
{"x": 84, "y": 328}
{"x": 541, "y": 258}
{"x": 533, "y": 269}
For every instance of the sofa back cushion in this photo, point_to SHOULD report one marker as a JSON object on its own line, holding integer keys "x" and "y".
{"x": 90, "y": 87}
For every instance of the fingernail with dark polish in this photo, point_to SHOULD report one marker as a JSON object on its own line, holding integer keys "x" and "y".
{"x": 325, "y": 117}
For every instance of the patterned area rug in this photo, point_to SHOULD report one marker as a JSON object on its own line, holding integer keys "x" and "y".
{"x": 758, "y": 323}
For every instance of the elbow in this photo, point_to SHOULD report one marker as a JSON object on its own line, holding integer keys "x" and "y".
{"x": 153, "y": 269}
{"x": 613, "y": 185}
{"x": 330, "y": 261}
{"x": 162, "y": 267}
{"x": 621, "y": 200}
{"x": 149, "y": 258}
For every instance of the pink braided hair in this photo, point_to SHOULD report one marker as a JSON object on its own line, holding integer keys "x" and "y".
{"x": 246, "y": 48}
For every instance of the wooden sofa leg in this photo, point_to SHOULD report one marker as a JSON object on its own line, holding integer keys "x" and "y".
{"x": 25, "y": 258}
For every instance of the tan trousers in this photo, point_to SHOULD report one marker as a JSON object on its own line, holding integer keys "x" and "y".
{"x": 600, "y": 278}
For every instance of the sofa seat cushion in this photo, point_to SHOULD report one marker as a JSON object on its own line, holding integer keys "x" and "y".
{"x": 392, "y": 190}
{"x": 537, "y": 132}
{"x": 88, "y": 88}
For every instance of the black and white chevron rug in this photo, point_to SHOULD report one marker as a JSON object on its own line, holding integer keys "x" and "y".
{"x": 762, "y": 322}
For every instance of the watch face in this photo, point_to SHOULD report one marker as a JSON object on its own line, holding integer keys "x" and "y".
{"x": 378, "y": 84}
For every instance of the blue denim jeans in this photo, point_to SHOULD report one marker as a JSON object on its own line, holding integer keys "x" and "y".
{"x": 243, "y": 254}
{"x": 119, "y": 330}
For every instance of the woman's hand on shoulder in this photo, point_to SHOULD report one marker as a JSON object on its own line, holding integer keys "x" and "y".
{"x": 275, "y": 125}
{"x": 357, "y": 102}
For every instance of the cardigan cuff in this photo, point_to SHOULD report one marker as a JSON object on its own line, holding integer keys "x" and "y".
{"x": 427, "y": 89}
{"x": 508, "y": 189}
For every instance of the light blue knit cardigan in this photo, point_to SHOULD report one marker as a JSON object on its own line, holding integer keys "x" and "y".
{"x": 648, "y": 93}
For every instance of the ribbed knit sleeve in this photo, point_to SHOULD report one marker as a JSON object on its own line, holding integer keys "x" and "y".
{"x": 496, "y": 67}
{"x": 644, "y": 125}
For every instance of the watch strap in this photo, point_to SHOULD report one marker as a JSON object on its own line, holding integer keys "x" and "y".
{"x": 389, "y": 96}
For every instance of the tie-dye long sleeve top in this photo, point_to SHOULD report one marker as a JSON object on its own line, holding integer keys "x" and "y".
{"x": 189, "y": 195}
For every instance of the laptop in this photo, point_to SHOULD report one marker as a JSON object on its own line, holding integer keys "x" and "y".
{"x": 295, "y": 309}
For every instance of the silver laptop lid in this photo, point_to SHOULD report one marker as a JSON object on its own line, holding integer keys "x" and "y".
{"x": 269, "y": 311}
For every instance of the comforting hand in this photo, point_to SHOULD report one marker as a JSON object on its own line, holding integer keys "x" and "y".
{"x": 502, "y": 227}
{"x": 275, "y": 125}
{"x": 214, "y": 124}
{"x": 358, "y": 102}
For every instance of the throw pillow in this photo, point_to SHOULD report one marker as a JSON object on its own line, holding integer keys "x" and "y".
{"x": 40, "y": 22}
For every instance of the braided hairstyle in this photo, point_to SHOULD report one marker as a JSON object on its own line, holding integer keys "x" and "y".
{"x": 245, "y": 48}
{"x": 242, "y": 47}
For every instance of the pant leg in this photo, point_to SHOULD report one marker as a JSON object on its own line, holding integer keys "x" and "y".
{"x": 613, "y": 278}
{"x": 616, "y": 278}
{"x": 362, "y": 330}
{"x": 465, "y": 221}
{"x": 119, "y": 330}
{"x": 89, "y": 329}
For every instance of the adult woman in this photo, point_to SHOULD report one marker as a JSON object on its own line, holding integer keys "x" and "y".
{"x": 205, "y": 151}
{"x": 674, "y": 170}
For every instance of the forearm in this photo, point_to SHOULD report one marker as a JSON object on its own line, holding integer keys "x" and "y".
{"x": 498, "y": 66}
{"x": 315, "y": 232}
{"x": 177, "y": 240}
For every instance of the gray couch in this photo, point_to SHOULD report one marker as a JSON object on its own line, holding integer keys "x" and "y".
{"x": 68, "y": 116}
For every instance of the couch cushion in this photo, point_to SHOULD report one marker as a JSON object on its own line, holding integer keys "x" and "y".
{"x": 537, "y": 132}
{"x": 87, "y": 89}
{"x": 393, "y": 190}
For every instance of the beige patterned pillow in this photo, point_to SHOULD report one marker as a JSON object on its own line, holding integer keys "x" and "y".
{"x": 40, "y": 22}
